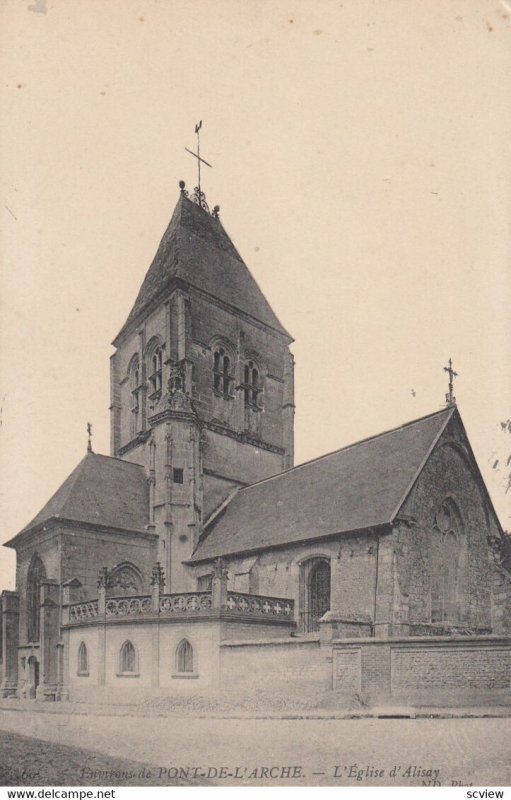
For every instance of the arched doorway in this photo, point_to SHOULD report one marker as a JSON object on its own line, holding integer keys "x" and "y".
{"x": 314, "y": 593}
{"x": 33, "y": 676}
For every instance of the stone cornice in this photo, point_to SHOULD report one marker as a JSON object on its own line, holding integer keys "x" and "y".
{"x": 215, "y": 474}
{"x": 383, "y": 530}
{"x": 139, "y": 439}
{"x": 210, "y": 615}
{"x": 24, "y": 538}
{"x": 243, "y": 437}
{"x": 179, "y": 284}
{"x": 170, "y": 414}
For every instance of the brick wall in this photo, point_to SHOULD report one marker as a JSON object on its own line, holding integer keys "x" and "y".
{"x": 450, "y": 667}
{"x": 425, "y": 671}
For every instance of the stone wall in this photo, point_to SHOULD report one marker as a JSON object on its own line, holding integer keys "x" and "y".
{"x": 188, "y": 325}
{"x": 287, "y": 666}
{"x": 448, "y": 475}
{"x": 501, "y": 611}
{"x": 155, "y": 642}
{"x": 277, "y": 572}
{"x": 243, "y": 339}
{"x": 84, "y": 552}
{"x": 44, "y": 544}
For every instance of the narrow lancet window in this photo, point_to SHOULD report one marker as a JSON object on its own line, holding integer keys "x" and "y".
{"x": 83, "y": 660}
{"x": 184, "y": 657}
{"x": 128, "y": 658}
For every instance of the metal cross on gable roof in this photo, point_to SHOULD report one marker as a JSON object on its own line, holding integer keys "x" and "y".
{"x": 450, "y": 400}
{"x": 198, "y": 196}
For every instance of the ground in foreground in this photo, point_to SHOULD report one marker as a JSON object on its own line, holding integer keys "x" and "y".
{"x": 32, "y": 762}
{"x": 250, "y": 751}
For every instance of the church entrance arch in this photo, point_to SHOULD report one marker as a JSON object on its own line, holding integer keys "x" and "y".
{"x": 33, "y": 677}
{"x": 314, "y": 592}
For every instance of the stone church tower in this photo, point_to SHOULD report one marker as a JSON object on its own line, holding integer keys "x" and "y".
{"x": 201, "y": 383}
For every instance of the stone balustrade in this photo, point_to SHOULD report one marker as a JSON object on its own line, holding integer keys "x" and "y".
{"x": 128, "y": 606}
{"x": 258, "y": 605}
{"x": 82, "y": 612}
{"x": 183, "y": 604}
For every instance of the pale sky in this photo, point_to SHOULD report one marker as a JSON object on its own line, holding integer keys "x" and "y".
{"x": 361, "y": 157}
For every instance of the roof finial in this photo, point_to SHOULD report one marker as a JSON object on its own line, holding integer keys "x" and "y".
{"x": 198, "y": 196}
{"x": 89, "y": 434}
{"x": 450, "y": 400}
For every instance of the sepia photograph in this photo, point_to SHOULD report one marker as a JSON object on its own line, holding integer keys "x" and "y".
{"x": 255, "y": 383}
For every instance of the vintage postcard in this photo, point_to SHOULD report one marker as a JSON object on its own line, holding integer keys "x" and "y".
{"x": 256, "y": 394}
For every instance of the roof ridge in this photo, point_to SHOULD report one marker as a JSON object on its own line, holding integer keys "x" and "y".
{"x": 348, "y": 446}
{"x": 84, "y": 495}
{"x": 65, "y": 488}
{"x": 116, "y": 458}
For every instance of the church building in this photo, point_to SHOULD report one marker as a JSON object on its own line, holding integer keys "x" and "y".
{"x": 197, "y": 556}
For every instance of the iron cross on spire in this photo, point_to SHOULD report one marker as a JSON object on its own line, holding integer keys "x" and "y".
{"x": 450, "y": 400}
{"x": 89, "y": 434}
{"x": 200, "y": 197}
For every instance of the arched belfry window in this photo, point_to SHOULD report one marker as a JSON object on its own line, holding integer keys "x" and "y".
{"x": 128, "y": 658}
{"x": 222, "y": 372}
{"x": 155, "y": 369}
{"x": 134, "y": 383}
{"x": 83, "y": 659}
{"x": 184, "y": 657}
{"x": 447, "y": 547}
{"x": 36, "y": 574}
{"x": 251, "y": 384}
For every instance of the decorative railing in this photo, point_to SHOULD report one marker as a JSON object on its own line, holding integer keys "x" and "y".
{"x": 261, "y": 606}
{"x": 185, "y": 603}
{"x": 128, "y": 606}
{"x": 83, "y": 611}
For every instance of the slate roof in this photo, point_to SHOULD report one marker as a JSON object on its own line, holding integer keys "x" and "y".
{"x": 103, "y": 491}
{"x": 196, "y": 249}
{"x": 358, "y": 487}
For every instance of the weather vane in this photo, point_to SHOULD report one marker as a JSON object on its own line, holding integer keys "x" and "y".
{"x": 89, "y": 434}
{"x": 450, "y": 400}
{"x": 199, "y": 196}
